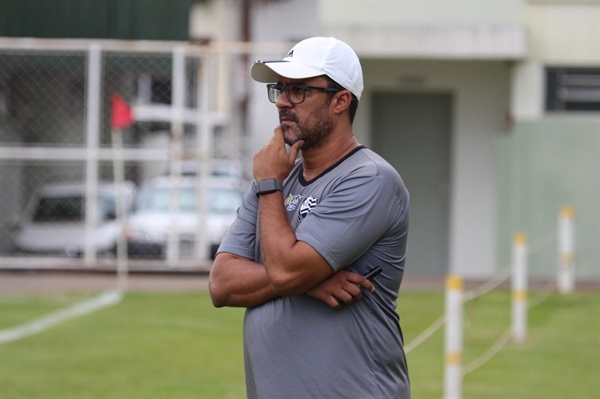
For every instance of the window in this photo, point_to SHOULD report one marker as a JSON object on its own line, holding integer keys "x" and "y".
{"x": 573, "y": 89}
{"x": 71, "y": 209}
{"x": 158, "y": 200}
{"x": 59, "y": 209}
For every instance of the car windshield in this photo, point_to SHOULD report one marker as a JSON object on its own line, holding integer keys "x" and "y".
{"x": 59, "y": 209}
{"x": 70, "y": 209}
{"x": 223, "y": 201}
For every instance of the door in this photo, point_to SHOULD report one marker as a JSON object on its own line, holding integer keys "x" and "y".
{"x": 412, "y": 132}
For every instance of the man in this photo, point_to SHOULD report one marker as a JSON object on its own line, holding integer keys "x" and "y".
{"x": 305, "y": 234}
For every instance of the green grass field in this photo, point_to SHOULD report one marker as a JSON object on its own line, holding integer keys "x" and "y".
{"x": 179, "y": 346}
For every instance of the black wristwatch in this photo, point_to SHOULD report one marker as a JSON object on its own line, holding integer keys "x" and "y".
{"x": 266, "y": 186}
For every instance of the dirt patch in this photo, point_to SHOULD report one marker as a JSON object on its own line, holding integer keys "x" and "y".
{"x": 48, "y": 281}
{"x": 65, "y": 282}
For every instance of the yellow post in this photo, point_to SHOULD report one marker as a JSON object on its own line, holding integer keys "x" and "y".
{"x": 453, "y": 337}
{"x": 566, "y": 250}
{"x": 519, "y": 287}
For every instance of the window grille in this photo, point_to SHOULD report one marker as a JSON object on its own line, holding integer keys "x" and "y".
{"x": 573, "y": 89}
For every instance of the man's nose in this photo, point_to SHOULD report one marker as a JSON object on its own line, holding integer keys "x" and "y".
{"x": 283, "y": 101}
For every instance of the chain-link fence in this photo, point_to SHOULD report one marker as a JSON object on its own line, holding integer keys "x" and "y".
{"x": 182, "y": 160}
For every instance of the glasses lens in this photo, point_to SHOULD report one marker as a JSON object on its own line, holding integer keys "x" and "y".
{"x": 296, "y": 93}
{"x": 274, "y": 92}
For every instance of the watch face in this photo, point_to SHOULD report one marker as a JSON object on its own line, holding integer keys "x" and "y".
{"x": 267, "y": 186}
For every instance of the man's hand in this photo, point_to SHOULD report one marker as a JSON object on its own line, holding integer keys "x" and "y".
{"x": 341, "y": 286}
{"x": 273, "y": 160}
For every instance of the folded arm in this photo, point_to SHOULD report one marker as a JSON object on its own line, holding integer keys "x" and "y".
{"x": 290, "y": 266}
{"x": 238, "y": 282}
{"x": 294, "y": 267}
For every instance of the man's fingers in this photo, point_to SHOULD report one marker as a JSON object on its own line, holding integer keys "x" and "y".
{"x": 295, "y": 149}
{"x": 361, "y": 281}
{"x": 333, "y": 302}
{"x": 353, "y": 290}
{"x": 366, "y": 284}
{"x": 278, "y": 134}
{"x": 344, "y": 297}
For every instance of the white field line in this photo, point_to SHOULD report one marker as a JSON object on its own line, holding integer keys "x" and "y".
{"x": 103, "y": 300}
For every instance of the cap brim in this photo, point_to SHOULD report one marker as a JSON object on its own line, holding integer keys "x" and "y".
{"x": 270, "y": 71}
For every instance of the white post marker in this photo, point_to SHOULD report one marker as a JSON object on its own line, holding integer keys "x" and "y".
{"x": 120, "y": 118}
{"x": 519, "y": 287}
{"x": 453, "y": 337}
{"x": 119, "y": 178}
{"x": 566, "y": 250}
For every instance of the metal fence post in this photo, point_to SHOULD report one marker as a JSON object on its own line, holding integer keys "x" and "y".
{"x": 94, "y": 78}
{"x": 204, "y": 144}
{"x": 178, "y": 99}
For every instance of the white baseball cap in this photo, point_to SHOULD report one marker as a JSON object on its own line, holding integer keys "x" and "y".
{"x": 315, "y": 57}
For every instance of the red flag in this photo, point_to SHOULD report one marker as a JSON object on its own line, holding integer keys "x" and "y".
{"x": 121, "y": 115}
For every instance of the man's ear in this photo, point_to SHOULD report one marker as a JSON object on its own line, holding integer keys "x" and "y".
{"x": 342, "y": 101}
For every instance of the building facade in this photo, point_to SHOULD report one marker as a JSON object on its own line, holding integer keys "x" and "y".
{"x": 456, "y": 98}
{"x": 489, "y": 110}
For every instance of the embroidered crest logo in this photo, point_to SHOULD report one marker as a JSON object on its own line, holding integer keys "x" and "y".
{"x": 307, "y": 206}
{"x": 292, "y": 201}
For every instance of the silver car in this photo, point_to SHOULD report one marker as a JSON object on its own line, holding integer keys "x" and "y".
{"x": 54, "y": 220}
{"x": 152, "y": 220}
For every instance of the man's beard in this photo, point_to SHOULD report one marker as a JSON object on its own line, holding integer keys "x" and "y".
{"x": 314, "y": 135}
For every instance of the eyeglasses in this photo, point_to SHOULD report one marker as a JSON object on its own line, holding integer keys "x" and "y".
{"x": 295, "y": 92}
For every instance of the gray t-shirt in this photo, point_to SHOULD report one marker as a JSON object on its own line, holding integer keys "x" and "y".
{"x": 355, "y": 215}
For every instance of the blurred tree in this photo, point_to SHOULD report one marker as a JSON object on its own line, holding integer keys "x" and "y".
{"x": 96, "y": 19}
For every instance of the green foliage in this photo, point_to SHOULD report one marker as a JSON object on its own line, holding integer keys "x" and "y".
{"x": 179, "y": 346}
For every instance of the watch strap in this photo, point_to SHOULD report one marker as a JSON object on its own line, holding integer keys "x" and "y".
{"x": 266, "y": 186}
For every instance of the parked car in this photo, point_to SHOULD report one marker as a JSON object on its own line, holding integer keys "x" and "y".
{"x": 151, "y": 219}
{"x": 219, "y": 168}
{"x": 54, "y": 219}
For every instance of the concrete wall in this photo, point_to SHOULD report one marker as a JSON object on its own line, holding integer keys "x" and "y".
{"x": 564, "y": 33}
{"x": 545, "y": 165}
{"x": 484, "y": 147}
{"x": 215, "y": 20}
{"x": 552, "y": 159}
{"x": 333, "y": 12}
{"x": 481, "y": 99}
{"x": 481, "y": 92}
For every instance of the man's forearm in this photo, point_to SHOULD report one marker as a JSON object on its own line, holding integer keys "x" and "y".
{"x": 239, "y": 282}
{"x": 277, "y": 238}
{"x": 292, "y": 266}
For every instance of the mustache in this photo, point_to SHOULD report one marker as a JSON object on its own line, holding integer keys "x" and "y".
{"x": 284, "y": 113}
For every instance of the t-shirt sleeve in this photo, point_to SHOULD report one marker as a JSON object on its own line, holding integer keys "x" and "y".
{"x": 241, "y": 236}
{"x": 352, "y": 217}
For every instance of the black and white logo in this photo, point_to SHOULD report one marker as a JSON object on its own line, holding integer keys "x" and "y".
{"x": 290, "y": 54}
{"x": 291, "y": 202}
{"x": 307, "y": 206}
